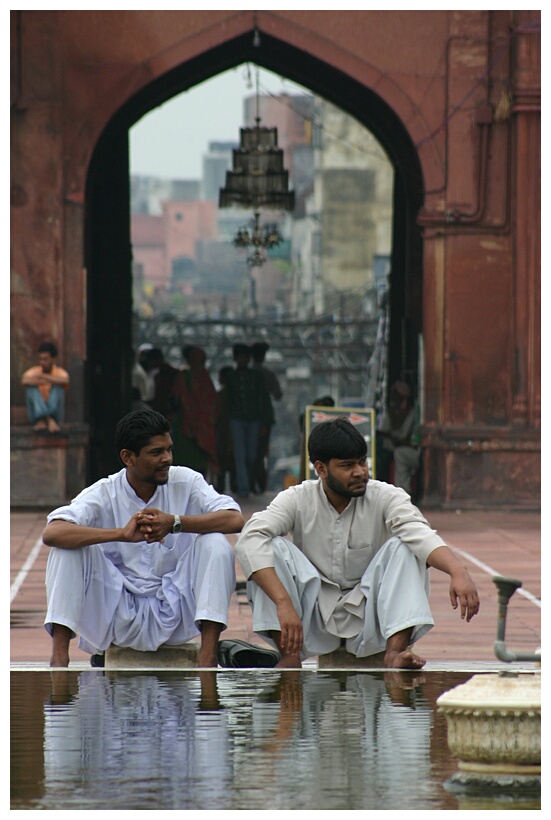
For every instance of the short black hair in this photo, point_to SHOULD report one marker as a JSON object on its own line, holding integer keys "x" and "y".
{"x": 48, "y": 347}
{"x": 259, "y": 350}
{"x": 336, "y": 438}
{"x": 241, "y": 349}
{"x": 137, "y": 428}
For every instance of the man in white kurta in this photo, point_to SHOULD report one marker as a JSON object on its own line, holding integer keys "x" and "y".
{"x": 354, "y": 570}
{"x": 139, "y": 558}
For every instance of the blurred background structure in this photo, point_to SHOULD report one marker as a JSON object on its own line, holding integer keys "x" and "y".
{"x": 412, "y": 251}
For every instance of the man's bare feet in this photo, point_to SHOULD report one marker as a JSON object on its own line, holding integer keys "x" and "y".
{"x": 53, "y": 426}
{"x": 405, "y": 659}
{"x": 61, "y": 636}
{"x": 206, "y": 659}
{"x": 59, "y": 660}
{"x": 40, "y": 426}
{"x": 289, "y": 662}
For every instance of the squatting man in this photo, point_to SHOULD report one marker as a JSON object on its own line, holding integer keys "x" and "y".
{"x": 354, "y": 571}
{"x": 139, "y": 558}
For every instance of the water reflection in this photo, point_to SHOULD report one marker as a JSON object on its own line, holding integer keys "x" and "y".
{"x": 229, "y": 740}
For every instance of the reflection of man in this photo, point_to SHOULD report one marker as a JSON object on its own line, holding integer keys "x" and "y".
{"x": 336, "y": 739}
{"x": 355, "y": 571}
{"x": 135, "y": 741}
{"x": 139, "y": 558}
{"x": 45, "y": 385}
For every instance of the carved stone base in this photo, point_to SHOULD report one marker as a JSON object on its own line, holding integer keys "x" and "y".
{"x": 494, "y": 727}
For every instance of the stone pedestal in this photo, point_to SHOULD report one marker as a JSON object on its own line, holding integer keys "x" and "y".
{"x": 165, "y": 657}
{"x": 47, "y": 470}
{"x": 494, "y": 729}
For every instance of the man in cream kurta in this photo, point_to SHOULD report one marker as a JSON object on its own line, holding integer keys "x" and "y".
{"x": 354, "y": 570}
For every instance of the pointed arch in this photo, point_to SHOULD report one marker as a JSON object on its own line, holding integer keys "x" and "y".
{"x": 107, "y": 226}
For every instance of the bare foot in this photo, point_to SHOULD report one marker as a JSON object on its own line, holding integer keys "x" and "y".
{"x": 39, "y": 426}
{"x": 53, "y": 426}
{"x": 403, "y": 660}
{"x": 59, "y": 661}
{"x": 206, "y": 659}
{"x": 289, "y": 662}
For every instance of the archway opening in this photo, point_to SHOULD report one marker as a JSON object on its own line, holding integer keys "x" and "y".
{"x": 108, "y": 251}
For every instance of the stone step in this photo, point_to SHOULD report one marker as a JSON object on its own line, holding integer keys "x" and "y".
{"x": 183, "y": 656}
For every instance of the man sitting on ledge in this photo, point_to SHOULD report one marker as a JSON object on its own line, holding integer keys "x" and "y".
{"x": 355, "y": 573}
{"x": 139, "y": 558}
{"x": 45, "y": 386}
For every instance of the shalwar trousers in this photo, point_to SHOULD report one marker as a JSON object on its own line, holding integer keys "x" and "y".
{"x": 395, "y": 586}
{"x": 90, "y": 595}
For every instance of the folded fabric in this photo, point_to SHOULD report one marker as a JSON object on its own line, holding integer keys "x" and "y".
{"x": 234, "y": 654}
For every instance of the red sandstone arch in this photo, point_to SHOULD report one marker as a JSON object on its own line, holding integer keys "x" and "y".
{"x": 305, "y": 34}
{"x": 107, "y": 251}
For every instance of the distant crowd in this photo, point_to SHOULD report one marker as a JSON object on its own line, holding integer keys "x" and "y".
{"x": 222, "y": 433}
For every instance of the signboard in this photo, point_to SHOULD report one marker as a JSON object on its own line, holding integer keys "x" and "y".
{"x": 362, "y": 418}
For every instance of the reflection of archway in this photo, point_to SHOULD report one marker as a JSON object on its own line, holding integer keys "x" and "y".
{"x": 107, "y": 251}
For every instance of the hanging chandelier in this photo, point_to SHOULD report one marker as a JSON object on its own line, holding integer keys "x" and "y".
{"x": 259, "y": 238}
{"x": 257, "y": 180}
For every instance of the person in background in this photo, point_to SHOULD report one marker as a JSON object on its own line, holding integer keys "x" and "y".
{"x": 45, "y": 386}
{"x": 398, "y": 437}
{"x": 224, "y": 448}
{"x": 197, "y": 403}
{"x": 164, "y": 378}
{"x": 249, "y": 409}
{"x": 140, "y": 378}
{"x": 260, "y": 469}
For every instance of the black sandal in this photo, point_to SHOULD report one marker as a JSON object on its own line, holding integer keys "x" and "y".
{"x": 234, "y": 654}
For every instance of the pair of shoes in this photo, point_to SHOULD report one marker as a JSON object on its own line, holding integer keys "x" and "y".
{"x": 234, "y": 654}
{"x": 98, "y": 660}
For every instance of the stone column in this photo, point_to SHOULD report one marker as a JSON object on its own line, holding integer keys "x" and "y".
{"x": 527, "y": 109}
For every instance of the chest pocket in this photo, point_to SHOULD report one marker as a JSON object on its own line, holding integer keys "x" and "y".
{"x": 356, "y": 562}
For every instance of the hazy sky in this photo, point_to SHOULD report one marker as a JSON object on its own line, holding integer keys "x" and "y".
{"x": 171, "y": 140}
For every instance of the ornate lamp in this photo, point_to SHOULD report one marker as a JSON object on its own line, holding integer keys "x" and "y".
{"x": 257, "y": 237}
{"x": 257, "y": 180}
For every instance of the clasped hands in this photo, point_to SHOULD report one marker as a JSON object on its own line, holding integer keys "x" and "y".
{"x": 151, "y": 525}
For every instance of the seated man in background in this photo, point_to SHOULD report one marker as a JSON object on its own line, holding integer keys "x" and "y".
{"x": 398, "y": 438}
{"x": 138, "y": 559}
{"x": 45, "y": 385}
{"x": 354, "y": 571}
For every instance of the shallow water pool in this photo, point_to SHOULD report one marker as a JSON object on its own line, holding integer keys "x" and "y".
{"x": 234, "y": 740}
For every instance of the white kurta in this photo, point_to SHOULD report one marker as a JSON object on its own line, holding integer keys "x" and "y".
{"x": 141, "y": 595}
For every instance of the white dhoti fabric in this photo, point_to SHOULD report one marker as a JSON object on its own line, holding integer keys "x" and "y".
{"x": 90, "y": 595}
{"x": 394, "y": 591}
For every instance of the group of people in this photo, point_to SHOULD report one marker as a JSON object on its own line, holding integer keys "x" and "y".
{"x": 141, "y": 559}
{"x": 224, "y": 434}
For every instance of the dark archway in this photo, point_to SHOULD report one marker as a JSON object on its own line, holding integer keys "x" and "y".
{"x": 107, "y": 231}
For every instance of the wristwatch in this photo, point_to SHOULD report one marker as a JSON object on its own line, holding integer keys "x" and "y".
{"x": 177, "y": 526}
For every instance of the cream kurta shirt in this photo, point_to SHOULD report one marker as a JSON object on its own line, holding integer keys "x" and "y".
{"x": 339, "y": 545}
